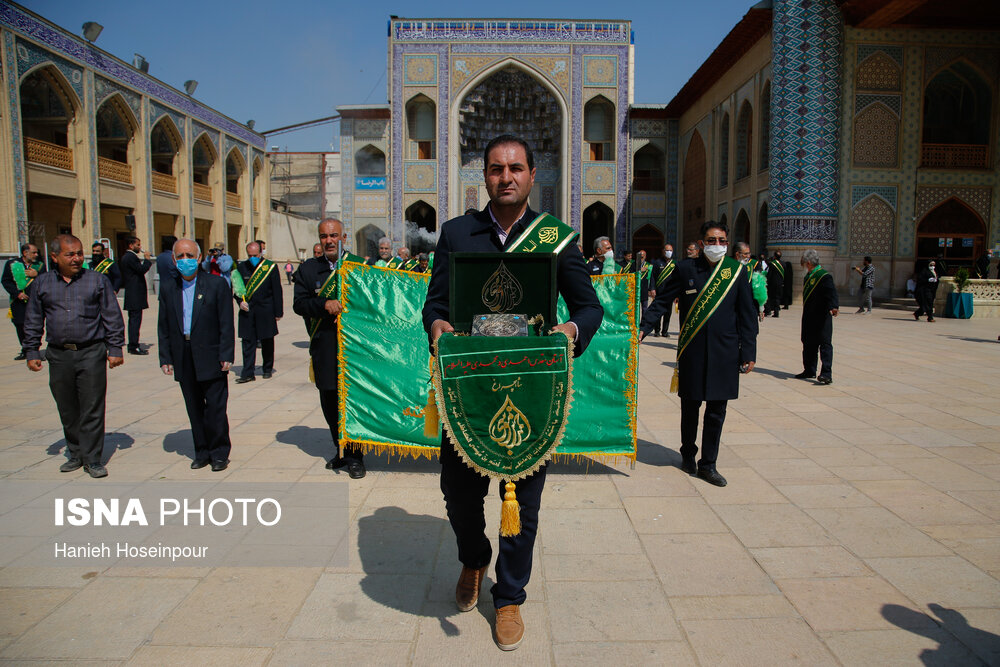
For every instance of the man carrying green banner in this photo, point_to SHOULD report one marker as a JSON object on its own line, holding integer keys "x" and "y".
{"x": 18, "y": 274}
{"x": 317, "y": 298}
{"x": 718, "y": 341}
{"x": 503, "y": 226}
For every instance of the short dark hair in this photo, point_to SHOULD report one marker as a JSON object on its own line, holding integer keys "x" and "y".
{"x": 712, "y": 224}
{"x": 131, "y": 240}
{"x": 96, "y": 244}
{"x": 25, "y": 246}
{"x": 868, "y": 259}
{"x": 168, "y": 243}
{"x": 508, "y": 139}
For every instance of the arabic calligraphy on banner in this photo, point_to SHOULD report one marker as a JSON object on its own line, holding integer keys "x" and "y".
{"x": 369, "y": 182}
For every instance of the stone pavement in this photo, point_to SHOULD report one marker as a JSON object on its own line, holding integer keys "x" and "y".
{"x": 861, "y": 525}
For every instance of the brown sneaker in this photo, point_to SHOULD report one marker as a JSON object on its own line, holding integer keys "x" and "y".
{"x": 467, "y": 591}
{"x": 509, "y": 629}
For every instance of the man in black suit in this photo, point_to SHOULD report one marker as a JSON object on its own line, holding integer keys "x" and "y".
{"x": 775, "y": 285}
{"x": 510, "y": 174}
{"x": 134, "y": 281}
{"x": 260, "y": 310}
{"x": 662, "y": 269}
{"x": 18, "y": 276}
{"x": 98, "y": 254}
{"x": 819, "y": 306}
{"x": 604, "y": 258}
{"x": 786, "y": 285}
{"x": 726, "y": 344}
{"x": 195, "y": 333}
{"x": 321, "y": 309}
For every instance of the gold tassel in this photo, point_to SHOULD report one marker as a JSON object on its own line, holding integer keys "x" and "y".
{"x": 312, "y": 374}
{"x": 674, "y": 382}
{"x": 510, "y": 513}
{"x": 431, "y": 415}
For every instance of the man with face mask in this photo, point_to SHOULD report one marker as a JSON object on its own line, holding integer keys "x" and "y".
{"x": 819, "y": 306}
{"x": 927, "y": 285}
{"x": 718, "y": 341}
{"x": 257, "y": 290}
{"x": 100, "y": 261}
{"x": 195, "y": 333}
{"x": 134, "y": 265}
{"x": 604, "y": 258}
{"x": 661, "y": 271}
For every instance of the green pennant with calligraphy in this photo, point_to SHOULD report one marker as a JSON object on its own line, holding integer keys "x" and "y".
{"x": 504, "y": 401}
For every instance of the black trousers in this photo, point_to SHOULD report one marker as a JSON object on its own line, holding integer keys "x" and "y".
{"x": 823, "y": 345}
{"x": 330, "y": 403}
{"x": 250, "y": 355}
{"x": 206, "y": 404}
{"x": 17, "y": 310}
{"x": 711, "y": 430}
{"x": 464, "y": 491}
{"x": 134, "y": 324}
{"x": 78, "y": 380}
{"x": 773, "y": 305}
{"x": 665, "y": 322}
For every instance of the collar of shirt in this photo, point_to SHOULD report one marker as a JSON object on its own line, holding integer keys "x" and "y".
{"x": 499, "y": 230}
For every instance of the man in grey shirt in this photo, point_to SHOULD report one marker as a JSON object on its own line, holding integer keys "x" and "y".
{"x": 867, "y": 272}
{"x": 78, "y": 310}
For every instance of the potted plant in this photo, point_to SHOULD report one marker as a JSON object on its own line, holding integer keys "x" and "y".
{"x": 959, "y": 303}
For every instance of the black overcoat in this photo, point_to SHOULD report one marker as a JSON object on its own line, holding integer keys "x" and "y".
{"x": 133, "y": 270}
{"x": 265, "y": 305}
{"x": 309, "y": 279}
{"x": 710, "y": 366}
{"x": 817, "y": 322}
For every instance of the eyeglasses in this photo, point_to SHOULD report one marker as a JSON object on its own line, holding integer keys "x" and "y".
{"x": 715, "y": 240}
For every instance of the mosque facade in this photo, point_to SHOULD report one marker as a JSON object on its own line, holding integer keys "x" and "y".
{"x": 854, "y": 127}
{"x": 94, "y": 146}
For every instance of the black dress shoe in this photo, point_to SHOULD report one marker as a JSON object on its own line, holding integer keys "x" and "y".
{"x": 219, "y": 466}
{"x": 21, "y": 356}
{"x": 95, "y": 470}
{"x": 267, "y": 376}
{"x": 244, "y": 380}
{"x": 198, "y": 465}
{"x": 335, "y": 463}
{"x": 71, "y": 465}
{"x": 355, "y": 469}
{"x": 712, "y": 476}
{"x": 137, "y": 350}
{"x": 688, "y": 465}
{"x": 824, "y": 379}
{"x": 805, "y": 376}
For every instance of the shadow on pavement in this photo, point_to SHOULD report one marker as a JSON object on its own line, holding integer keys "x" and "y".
{"x": 312, "y": 441}
{"x": 781, "y": 375}
{"x": 974, "y": 340}
{"x": 654, "y": 454}
{"x": 983, "y": 643}
{"x": 112, "y": 443}
{"x": 388, "y": 535}
{"x": 180, "y": 443}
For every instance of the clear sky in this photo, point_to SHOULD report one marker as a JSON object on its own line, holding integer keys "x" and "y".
{"x": 281, "y": 62}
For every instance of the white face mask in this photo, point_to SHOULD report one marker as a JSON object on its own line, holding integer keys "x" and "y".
{"x": 609, "y": 254}
{"x": 668, "y": 254}
{"x": 745, "y": 261}
{"x": 713, "y": 253}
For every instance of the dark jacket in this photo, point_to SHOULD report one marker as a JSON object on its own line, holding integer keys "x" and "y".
{"x": 309, "y": 278}
{"x": 17, "y": 307}
{"x": 165, "y": 267}
{"x": 475, "y": 233}
{"x": 927, "y": 286}
{"x": 817, "y": 322}
{"x": 134, "y": 280}
{"x": 114, "y": 273}
{"x": 710, "y": 366}
{"x": 265, "y": 304}
{"x": 775, "y": 279}
{"x": 786, "y": 288}
{"x": 211, "y": 326}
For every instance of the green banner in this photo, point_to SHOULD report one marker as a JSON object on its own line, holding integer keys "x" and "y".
{"x": 504, "y": 400}
{"x": 385, "y": 367}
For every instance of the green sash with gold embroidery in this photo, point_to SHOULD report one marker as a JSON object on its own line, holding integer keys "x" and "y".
{"x": 665, "y": 272}
{"x": 257, "y": 278}
{"x": 546, "y": 233}
{"x": 705, "y": 304}
{"x": 811, "y": 281}
{"x": 103, "y": 267}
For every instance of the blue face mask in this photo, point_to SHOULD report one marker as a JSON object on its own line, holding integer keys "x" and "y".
{"x": 254, "y": 261}
{"x": 187, "y": 267}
